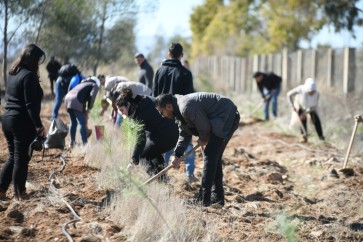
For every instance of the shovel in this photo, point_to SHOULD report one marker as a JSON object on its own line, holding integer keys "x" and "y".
{"x": 350, "y": 144}
{"x": 259, "y": 106}
{"x": 169, "y": 166}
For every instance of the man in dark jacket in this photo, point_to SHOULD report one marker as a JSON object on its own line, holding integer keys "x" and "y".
{"x": 269, "y": 85}
{"x": 173, "y": 78}
{"x": 146, "y": 73}
{"x": 53, "y": 67}
{"x": 214, "y": 119}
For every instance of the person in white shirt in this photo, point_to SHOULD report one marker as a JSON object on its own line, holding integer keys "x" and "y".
{"x": 306, "y": 102}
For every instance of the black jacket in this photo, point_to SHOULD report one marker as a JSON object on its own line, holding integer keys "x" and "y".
{"x": 146, "y": 74}
{"x": 172, "y": 78}
{"x": 24, "y": 96}
{"x": 269, "y": 81}
{"x": 163, "y": 131}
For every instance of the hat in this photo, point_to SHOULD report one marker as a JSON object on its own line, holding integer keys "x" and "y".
{"x": 310, "y": 85}
{"x": 137, "y": 55}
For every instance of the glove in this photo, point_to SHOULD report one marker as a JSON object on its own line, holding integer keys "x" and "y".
{"x": 130, "y": 166}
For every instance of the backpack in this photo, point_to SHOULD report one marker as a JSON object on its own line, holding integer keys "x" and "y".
{"x": 68, "y": 70}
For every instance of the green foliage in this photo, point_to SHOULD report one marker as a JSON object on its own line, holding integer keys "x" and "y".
{"x": 286, "y": 228}
{"x": 130, "y": 131}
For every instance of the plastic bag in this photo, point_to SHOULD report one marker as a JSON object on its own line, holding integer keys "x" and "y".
{"x": 56, "y": 135}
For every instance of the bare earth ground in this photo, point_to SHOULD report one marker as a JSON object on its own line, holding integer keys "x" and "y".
{"x": 276, "y": 190}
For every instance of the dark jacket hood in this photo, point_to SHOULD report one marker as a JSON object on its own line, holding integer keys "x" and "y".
{"x": 171, "y": 62}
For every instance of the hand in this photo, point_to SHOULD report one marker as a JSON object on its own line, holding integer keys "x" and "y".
{"x": 294, "y": 109}
{"x": 358, "y": 118}
{"x": 41, "y": 132}
{"x": 130, "y": 166}
{"x": 176, "y": 163}
{"x": 202, "y": 143}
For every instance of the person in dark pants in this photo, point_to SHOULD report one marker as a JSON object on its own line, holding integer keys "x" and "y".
{"x": 269, "y": 85}
{"x": 173, "y": 78}
{"x": 306, "y": 102}
{"x": 79, "y": 101}
{"x": 21, "y": 121}
{"x": 146, "y": 73}
{"x": 53, "y": 67}
{"x": 66, "y": 74}
{"x": 163, "y": 133}
{"x": 214, "y": 119}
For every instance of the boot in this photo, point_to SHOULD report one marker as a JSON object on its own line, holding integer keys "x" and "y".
{"x": 2, "y": 195}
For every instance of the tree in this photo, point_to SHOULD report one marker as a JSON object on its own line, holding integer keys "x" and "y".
{"x": 15, "y": 14}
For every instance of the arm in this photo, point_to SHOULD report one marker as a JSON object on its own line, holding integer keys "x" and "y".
{"x": 31, "y": 93}
{"x": 188, "y": 84}
{"x": 92, "y": 96}
{"x": 200, "y": 120}
{"x": 139, "y": 147}
{"x": 290, "y": 95}
{"x": 183, "y": 142}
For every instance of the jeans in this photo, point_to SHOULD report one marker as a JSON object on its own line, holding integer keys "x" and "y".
{"x": 60, "y": 93}
{"x": 118, "y": 120}
{"x": 19, "y": 132}
{"x": 189, "y": 161}
{"x": 273, "y": 98}
{"x": 77, "y": 117}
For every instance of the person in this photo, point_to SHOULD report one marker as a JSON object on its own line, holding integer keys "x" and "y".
{"x": 53, "y": 67}
{"x": 66, "y": 73}
{"x": 212, "y": 117}
{"x": 173, "y": 78}
{"x": 269, "y": 85}
{"x": 137, "y": 88}
{"x": 21, "y": 122}
{"x": 163, "y": 133}
{"x": 306, "y": 102}
{"x": 79, "y": 101}
{"x": 146, "y": 73}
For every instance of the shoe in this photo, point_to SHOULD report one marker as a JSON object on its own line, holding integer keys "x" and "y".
{"x": 215, "y": 199}
{"x": 21, "y": 195}
{"x": 304, "y": 139}
{"x": 192, "y": 178}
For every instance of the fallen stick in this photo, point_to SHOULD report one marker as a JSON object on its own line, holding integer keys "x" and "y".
{"x": 170, "y": 166}
{"x": 350, "y": 144}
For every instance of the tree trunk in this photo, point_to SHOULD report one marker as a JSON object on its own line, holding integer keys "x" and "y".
{"x": 100, "y": 40}
{"x": 5, "y": 42}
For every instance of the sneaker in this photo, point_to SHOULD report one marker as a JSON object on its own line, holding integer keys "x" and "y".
{"x": 192, "y": 178}
{"x": 304, "y": 139}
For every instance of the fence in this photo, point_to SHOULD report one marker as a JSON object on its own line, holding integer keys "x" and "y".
{"x": 340, "y": 69}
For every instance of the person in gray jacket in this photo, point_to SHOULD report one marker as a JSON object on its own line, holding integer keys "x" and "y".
{"x": 214, "y": 119}
{"x": 79, "y": 101}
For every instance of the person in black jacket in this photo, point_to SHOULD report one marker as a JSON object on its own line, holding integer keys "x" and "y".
{"x": 21, "y": 121}
{"x": 172, "y": 77}
{"x": 269, "y": 85}
{"x": 146, "y": 73}
{"x": 163, "y": 132}
{"x": 53, "y": 67}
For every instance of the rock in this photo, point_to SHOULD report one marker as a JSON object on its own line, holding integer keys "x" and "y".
{"x": 273, "y": 177}
{"x": 16, "y": 215}
{"x": 333, "y": 173}
{"x": 316, "y": 233}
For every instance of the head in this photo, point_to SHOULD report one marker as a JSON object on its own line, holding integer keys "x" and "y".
{"x": 102, "y": 79}
{"x": 164, "y": 104}
{"x": 124, "y": 101}
{"x": 258, "y": 76}
{"x": 30, "y": 58}
{"x": 185, "y": 63}
{"x": 175, "y": 51}
{"x": 52, "y": 58}
{"x": 139, "y": 58}
{"x": 310, "y": 86}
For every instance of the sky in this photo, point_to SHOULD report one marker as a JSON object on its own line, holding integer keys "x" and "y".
{"x": 172, "y": 17}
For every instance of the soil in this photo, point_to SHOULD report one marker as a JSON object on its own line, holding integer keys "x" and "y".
{"x": 273, "y": 185}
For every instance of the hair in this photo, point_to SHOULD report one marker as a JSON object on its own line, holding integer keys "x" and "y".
{"x": 137, "y": 55}
{"x": 125, "y": 97}
{"x": 101, "y": 76}
{"x": 30, "y": 58}
{"x": 257, "y": 74}
{"x": 163, "y": 99}
{"x": 176, "y": 50}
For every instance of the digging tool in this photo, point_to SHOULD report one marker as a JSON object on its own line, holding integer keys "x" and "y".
{"x": 350, "y": 144}
{"x": 259, "y": 106}
{"x": 170, "y": 166}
